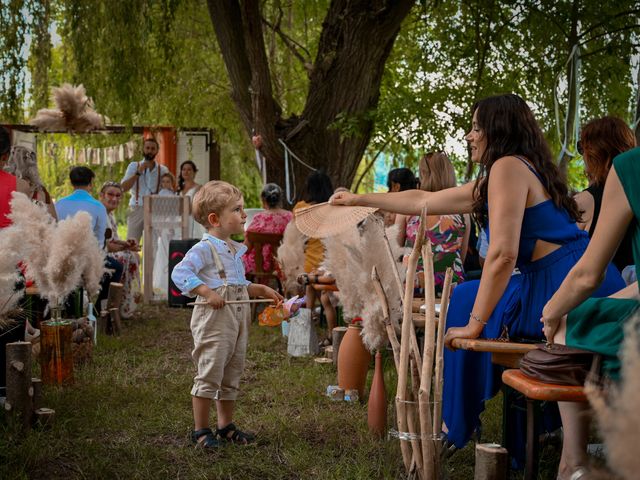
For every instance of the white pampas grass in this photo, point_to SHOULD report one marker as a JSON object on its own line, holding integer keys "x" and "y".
{"x": 59, "y": 257}
{"x": 351, "y": 257}
{"x": 9, "y": 296}
{"x": 617, "y": 412}
{"x": 290, "y": 257}
{"x": 75, "y": 111}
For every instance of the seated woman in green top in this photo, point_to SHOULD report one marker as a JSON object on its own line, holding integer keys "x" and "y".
{"x": 596, "y": 324}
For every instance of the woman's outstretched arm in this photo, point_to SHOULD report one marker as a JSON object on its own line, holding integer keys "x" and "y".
{"x": 410, "y": 202}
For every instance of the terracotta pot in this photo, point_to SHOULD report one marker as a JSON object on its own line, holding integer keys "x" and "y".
{"x": 353, "y": 361}
{"x": 377, "y": 408}
{"x": 56, "y": 354}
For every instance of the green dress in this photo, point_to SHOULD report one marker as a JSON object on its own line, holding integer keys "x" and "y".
{"x": 598, "y": 323}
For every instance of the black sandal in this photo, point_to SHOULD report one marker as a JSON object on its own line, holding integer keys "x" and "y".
{"x": 210, "y": 440}
{"x": 238, "y": 437}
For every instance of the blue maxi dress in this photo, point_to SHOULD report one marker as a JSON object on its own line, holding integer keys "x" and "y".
{"x": 469, "y": 377}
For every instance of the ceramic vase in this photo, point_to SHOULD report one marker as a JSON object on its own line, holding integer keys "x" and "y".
{"x": 353, "y": 361}
{"x": 377, "y": 408}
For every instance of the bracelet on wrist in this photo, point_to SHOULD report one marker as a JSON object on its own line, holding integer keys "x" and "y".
{"x": 475, "y": 317}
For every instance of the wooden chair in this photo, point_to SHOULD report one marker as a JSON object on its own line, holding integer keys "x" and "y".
{"x": 536, "y": 391}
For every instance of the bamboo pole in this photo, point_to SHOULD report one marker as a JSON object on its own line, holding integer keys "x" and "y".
{"x": 424, "y": 396}
{"x": 396, "y": 277}
{"x": 412, "y": 423}
{"x": 438, "y": 381}
{"x": 391, "y": 332}
{"x": 405, "y": 345}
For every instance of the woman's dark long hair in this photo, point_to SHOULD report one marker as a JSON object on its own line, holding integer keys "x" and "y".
{"x": 319, "y": 187}
{"x": 403, "y": 177}
{"x": 180, "y": 179}
{"x": 507, "y": 123}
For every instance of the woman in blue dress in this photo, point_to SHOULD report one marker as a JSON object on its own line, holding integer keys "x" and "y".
{"x": 522, "y": 200}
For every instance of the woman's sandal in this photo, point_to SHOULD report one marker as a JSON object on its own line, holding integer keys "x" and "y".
{"x": 238, "y": 437}
{"x": 210, "y": 440}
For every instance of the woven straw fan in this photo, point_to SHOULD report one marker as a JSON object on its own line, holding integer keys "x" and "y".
{"x": 324, "y": 220}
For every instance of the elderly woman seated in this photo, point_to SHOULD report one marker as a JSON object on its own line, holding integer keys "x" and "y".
{"x": 123, "y": 251}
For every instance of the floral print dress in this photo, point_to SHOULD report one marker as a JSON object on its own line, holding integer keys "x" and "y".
{"x": 265, "y": 222}
{"x": 446, "y": 236}
{"x": 130, "y": 273}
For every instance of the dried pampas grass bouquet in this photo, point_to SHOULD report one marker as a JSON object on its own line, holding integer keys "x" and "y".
{"x": 59, "y": 256}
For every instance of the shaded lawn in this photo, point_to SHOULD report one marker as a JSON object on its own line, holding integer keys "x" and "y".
{"x": 128, "y": 416}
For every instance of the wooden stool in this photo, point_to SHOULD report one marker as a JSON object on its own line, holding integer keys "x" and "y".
{"x": 534, "y": 392}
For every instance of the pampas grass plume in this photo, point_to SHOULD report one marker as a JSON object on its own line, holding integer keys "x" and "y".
{"x": 290, "y": 257}
{"x": 617, "y": 412}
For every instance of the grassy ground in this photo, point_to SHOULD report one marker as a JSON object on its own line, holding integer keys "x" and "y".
{"x": 128, "y": 417}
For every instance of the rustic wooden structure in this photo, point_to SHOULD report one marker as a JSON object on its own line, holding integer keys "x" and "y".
{"x": 535, "y": 391}
{"x": 19, "y": 390}
{"x": 492, "y": 462}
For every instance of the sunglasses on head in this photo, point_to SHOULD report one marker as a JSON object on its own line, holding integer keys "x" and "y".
{"x": 106, "y": 185}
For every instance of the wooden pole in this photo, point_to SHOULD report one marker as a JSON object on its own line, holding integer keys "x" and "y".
{"x": 36, "y": 383}
{"x": 491, "y": 462}
{"x": 337, "y": 334}
{"x": 391, "y": 332}
{"x": 405, "y": 341}
{"x": 396, "y": 277}
{"x": 424, "y": 396}
{"x": 438, "y": 381}
{"x": 19, "y": 390}
{"x": 147, "y": 251}
{"x": 116, "y": 324}
{"x": 185, "y": 210}
{"x": 115, "y": 295}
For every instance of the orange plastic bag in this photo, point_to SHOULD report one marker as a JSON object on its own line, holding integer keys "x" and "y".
{"x": 272, "y": 316}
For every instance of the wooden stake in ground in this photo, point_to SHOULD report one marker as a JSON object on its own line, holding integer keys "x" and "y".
{"x": 337, "y": 334}
{"x": 19, "y": 390}
{"x": 44, "y": 417}
{"x": 439, "y": 380}
{"x": 391, "y": 332}
{"x": 36, "y": 384}
{"x": 405, "y": 344}
{"x": 491, "y": 462}
{"x": 424, "y": 395}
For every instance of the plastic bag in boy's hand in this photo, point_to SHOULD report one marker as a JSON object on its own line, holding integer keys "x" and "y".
{"x": 272, "y": 316}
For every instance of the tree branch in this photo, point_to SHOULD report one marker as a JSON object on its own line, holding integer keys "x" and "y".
{"x": 291, "y": 44}
{"x": 608, "y": 19}
{"x": 372, "y": 161}
{"x": 604, "y": 34}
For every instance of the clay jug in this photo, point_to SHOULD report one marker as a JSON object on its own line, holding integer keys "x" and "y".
{"x": 377, "y": 408}
{"x": 56, "y": 355}
{"x": 353, "y": 361}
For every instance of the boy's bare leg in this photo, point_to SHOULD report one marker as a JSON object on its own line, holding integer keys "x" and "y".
{"x": 225, "y": 412}
{"x": 310, "y": 294}
{"x": 201, "y": 407}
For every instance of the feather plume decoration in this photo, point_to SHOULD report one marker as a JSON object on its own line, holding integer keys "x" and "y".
{"x": 290, "y": 257}
{"x": 9, "y": 276}
{"x": 617, "y": 410}
{"x": 75, "y": 111}
{"x": 351, "y": 257}
{"x": 59, "y": 257}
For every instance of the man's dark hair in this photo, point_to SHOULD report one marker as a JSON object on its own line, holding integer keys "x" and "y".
{"x": 5, "y": 141}
{"x": 152, "y": 140}
{"x": 81, "y": 176}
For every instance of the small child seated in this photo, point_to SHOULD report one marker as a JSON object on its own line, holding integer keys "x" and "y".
{"x": 213, "y": 270}
{"x": 167, "y": 184}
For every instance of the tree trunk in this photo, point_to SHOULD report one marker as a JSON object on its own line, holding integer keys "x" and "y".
{"x": 344, "y": 85}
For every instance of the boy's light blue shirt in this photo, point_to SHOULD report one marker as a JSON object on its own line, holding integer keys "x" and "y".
{"x": 82, "y": 201}
{"x": 198, "y": 267}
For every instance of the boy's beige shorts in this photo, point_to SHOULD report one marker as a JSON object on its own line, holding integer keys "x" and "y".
{"x": 220, "y": 345}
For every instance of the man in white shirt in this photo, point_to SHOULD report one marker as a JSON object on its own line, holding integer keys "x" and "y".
{"x": 142, "y": 178}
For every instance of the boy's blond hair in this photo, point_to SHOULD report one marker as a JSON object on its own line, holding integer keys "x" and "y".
{"x": 213, "y": 197}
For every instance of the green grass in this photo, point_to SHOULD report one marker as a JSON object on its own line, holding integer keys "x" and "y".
{"x": 128, "y": 416}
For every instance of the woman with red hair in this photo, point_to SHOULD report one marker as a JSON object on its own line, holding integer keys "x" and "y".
{"x": 601, "y": 140}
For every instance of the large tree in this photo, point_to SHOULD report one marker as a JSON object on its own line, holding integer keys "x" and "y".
{"x": 335, "y": 124}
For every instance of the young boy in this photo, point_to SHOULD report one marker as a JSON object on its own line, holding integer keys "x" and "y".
{"x": 213, "y": 270}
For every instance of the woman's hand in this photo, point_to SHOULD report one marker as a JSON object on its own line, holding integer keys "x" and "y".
{"x": 470, "y": 331}
{"x": 344, "y": 198}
